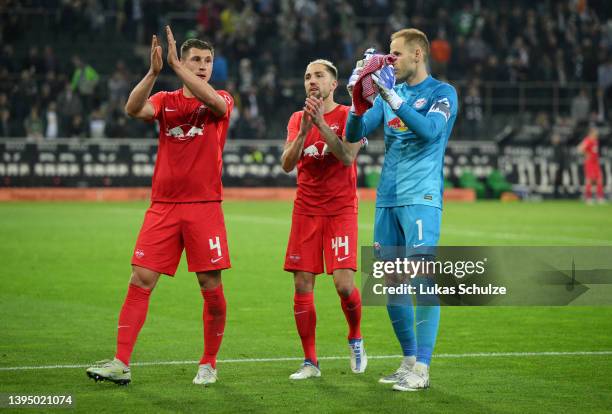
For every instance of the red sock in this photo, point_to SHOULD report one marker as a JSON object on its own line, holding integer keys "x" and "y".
{"x": 214, "y": 323}
{"x": 132, "y": 317}
{"x": 587, "y": 190}
{"x": 351, "y": 305}
{"x": 306, "y": 322}
{"x": 600, "y": 193}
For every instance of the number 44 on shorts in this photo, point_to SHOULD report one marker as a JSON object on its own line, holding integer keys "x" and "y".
{"x": 338, "y": 243}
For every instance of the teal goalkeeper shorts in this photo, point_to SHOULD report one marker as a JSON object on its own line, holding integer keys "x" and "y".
{"x": 398, "y": 231}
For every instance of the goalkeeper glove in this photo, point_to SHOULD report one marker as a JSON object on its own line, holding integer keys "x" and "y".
{"x": 358, "y": 69}
{"x": 385, "y": 80}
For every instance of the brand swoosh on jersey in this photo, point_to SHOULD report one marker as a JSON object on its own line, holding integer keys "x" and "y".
{"x": 170, "y": 110}
{"x": 341, "y": 259}
{"x": 417, "y": 245}
{"x": 216, "y": 260}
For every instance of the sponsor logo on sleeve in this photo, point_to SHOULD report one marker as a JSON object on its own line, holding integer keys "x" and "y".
{"x": 442, "y": 106}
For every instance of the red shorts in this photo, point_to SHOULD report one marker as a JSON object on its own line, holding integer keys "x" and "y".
{"x": 313, "y": 237}
{"x": 592, "y": 171}
{"x": 199, "y": 228}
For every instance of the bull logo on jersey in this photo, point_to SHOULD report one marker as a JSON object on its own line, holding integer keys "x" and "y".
{"x": 397, "y": 124}
{"x": 184, "y": 132}
{"x": 316, "y": 150}
{"x": 191, "y": 129}
{"x": 419, "y": 103}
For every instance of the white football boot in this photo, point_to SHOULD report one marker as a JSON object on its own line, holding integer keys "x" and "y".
{"x": 406, "y": 367}
{"x": 307, "y": 370}
{"x": 206, "y": 375}
{"x": 415, "y": 380}
{"x": 359, "y": 358}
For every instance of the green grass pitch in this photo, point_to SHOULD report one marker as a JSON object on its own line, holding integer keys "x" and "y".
{"x": 65, "y": 268}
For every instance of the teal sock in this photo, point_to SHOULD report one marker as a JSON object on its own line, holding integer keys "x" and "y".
{"x": 427, "y": 323}
{"x": 401, "y": 314}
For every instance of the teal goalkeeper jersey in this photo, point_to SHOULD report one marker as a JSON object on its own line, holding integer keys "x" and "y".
{"x": 415, "y": 140}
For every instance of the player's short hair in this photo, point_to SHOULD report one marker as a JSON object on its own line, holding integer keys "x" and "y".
{"x": 328, "y": 66}
{"x": 196, "y": 44}
{"x": 413, "y": 36}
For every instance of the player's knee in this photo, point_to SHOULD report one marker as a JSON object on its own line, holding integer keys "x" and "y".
{"x": 304, "y": 283}
{"x": 344, "y": 282}
{"x": 344, "y": 288}
{"x": 209, "y": 280}
{"x": 144, "y": 278}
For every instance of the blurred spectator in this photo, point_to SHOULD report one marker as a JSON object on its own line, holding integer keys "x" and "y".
{"x": 245, "y": 75}
{"x": 97, "y": 124}
{"x": 220, "y": 69}
{"x": 473, "y": 110}
{"x": 477, "y": 48}
{"x": 84, "y": 81}
{"x": 581, "y": 106}
{"x": 6, "y": 129}
{"x": 33, "y": 124}
{"x": 248, "y": 126}
{"x": 49, "y": 60}
{"x": 34, "y": 62}
{"x": 52, "y": 121}
{"x": 76, "y": 127}
{"x": 69, "y": 105}
{"x": 118, "y": 127}
{"x": 95, "y": 15}
{"x": 518, "y": 60}
{"x": 440, "y": 50}
{"x": 118, "y": 87}
{"x": 7, "y": 58}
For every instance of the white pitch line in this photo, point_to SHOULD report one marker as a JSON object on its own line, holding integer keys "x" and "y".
{"x": 284, "y": 359}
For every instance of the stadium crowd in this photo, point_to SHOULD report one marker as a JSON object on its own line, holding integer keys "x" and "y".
{"x": 52, "y": 88}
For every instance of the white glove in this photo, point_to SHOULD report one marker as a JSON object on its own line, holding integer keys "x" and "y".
{"x": 353, "y": 80}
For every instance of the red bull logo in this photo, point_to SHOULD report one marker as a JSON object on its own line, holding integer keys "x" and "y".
{"x": 184, "y": 132}
{"x": 316, "y": 150}
{"x": 397, "y": 125}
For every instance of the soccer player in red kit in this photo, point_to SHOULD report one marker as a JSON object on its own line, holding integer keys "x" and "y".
{"x": 592, "y": 171}
{"x": 185, "y": 211}
{"x": 324, "y": 222}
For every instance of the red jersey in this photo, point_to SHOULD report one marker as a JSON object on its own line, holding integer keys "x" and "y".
{"x": 591, "y": 150}
{"x": 325, "y": 186}
{"x": 191, "y": 141}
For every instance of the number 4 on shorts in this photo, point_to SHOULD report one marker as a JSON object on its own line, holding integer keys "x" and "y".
{"x": 216, "y": 244}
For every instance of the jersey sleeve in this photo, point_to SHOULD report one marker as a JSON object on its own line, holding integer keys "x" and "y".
{"x": 444, "y": 103}
{"x": 293, "y": 127}
{"x": 443, "y": 108}
{"x": 157, "y": 100}
{"x": 229, "y": 102}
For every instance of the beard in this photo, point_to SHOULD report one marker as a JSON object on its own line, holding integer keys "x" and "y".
{"x": 407, "y": 74}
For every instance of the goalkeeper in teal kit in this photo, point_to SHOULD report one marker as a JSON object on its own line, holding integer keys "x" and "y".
{"x": 418, "y": 113}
